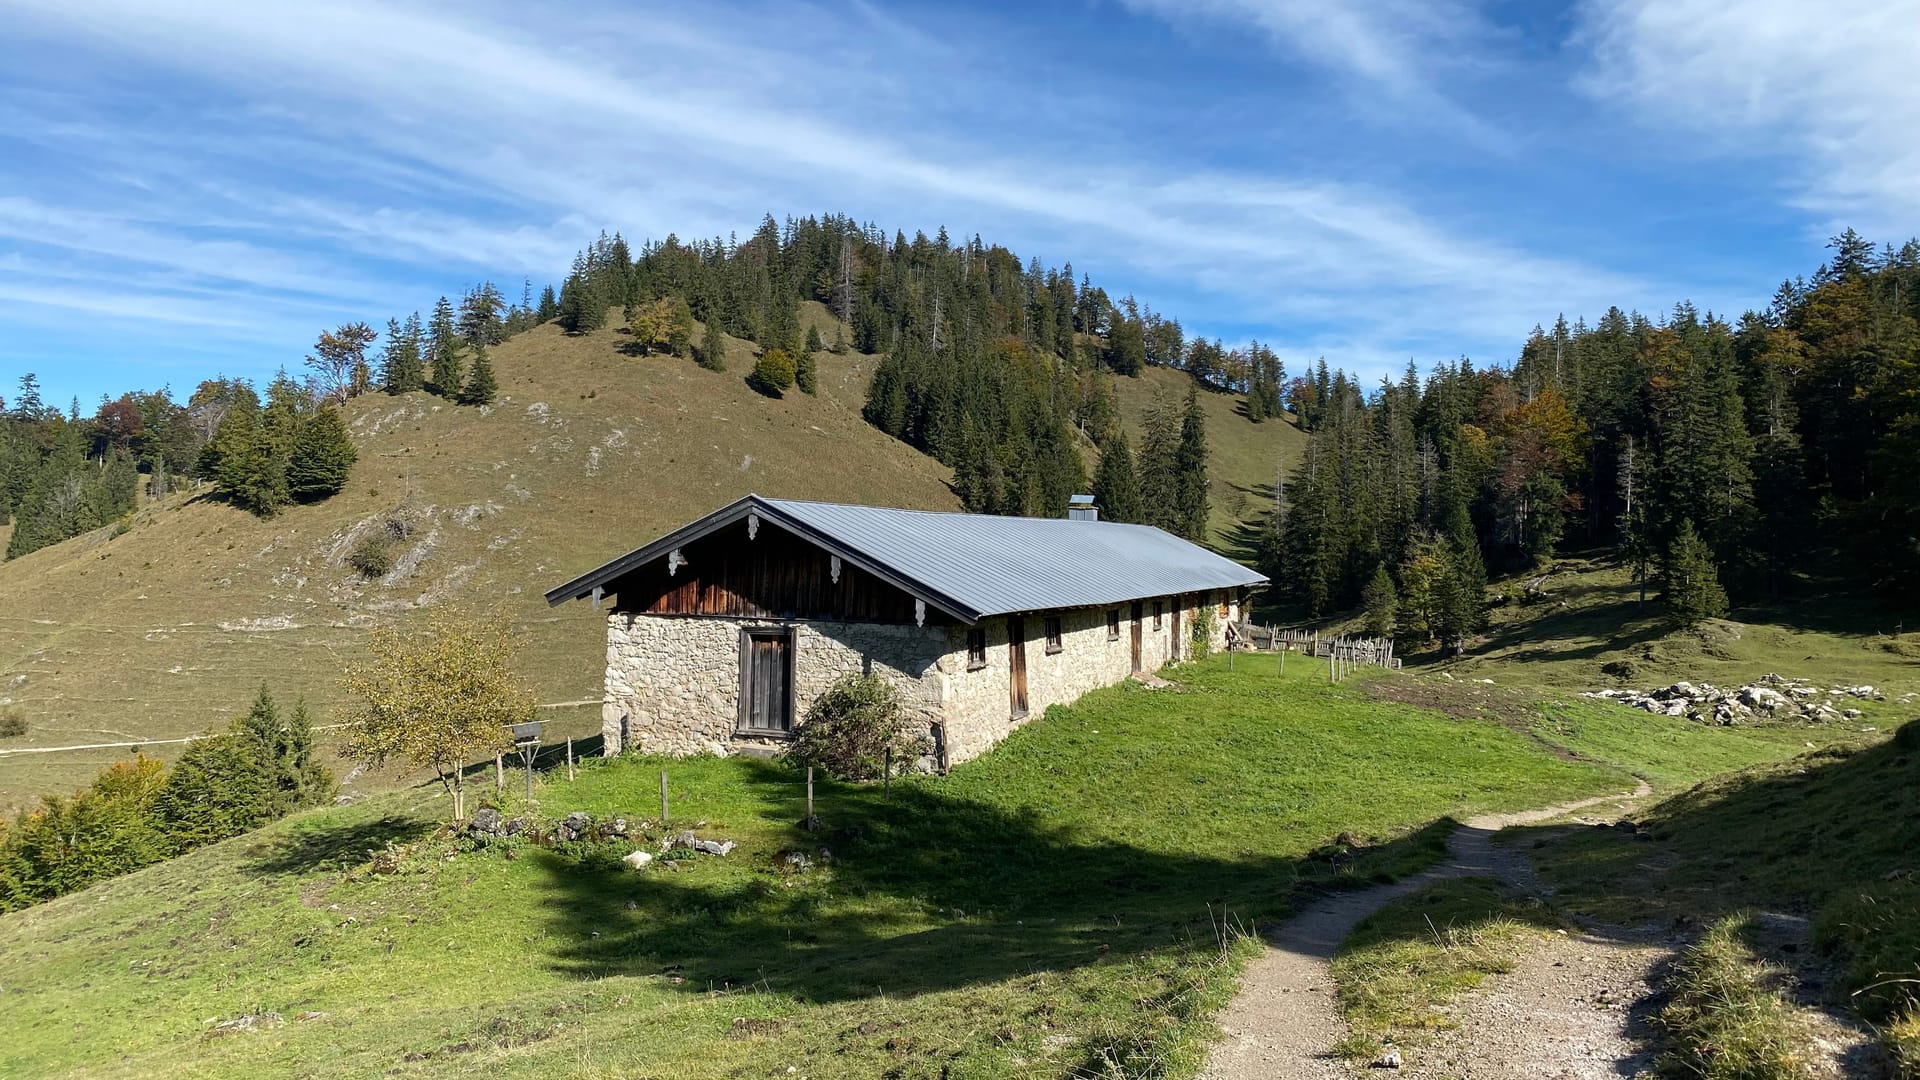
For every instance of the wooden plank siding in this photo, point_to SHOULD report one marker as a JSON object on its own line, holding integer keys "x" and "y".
{"x": 775, "y": 575}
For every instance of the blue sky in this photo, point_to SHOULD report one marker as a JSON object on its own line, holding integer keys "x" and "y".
{"x": 191, "y": 189}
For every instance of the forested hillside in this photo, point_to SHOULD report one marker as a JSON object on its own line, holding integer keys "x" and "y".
{"x": 1723, "y": 460}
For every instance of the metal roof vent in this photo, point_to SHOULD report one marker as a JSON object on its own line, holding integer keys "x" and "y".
{"x": 1081, "y": 508}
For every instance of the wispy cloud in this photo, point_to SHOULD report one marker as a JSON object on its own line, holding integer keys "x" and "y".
{"x": 1831, "y": 85}
{"x": 350, "y": 151}
{"x": 1396, "y": 52}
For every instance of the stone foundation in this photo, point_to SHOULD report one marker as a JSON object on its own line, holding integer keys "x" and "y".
{"x": 673, "y": 682}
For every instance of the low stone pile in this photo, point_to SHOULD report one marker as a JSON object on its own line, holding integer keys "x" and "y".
{"x": 581, "y": 826}
{"x": 1774, "y": 697}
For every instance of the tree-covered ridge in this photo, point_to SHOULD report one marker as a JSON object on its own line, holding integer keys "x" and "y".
{"x": 1711, "y": 454}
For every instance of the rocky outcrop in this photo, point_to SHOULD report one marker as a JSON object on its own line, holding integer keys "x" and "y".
{"x": 1772, "y": 696}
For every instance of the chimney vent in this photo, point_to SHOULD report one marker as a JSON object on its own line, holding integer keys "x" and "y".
{"x": 1081, "y": 508}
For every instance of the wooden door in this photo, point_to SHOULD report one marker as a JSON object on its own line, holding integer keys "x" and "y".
{"x": 1017, "y": 666}
{"x": 1139, "y": 613}
{"x": 766, "y": 681}
{"x": 1173, "y": 642}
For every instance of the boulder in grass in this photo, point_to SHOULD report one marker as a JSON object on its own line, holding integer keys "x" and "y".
{"x": 637, "y": 860}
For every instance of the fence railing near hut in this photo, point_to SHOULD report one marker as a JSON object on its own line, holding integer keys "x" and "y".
{"x": 1343, "y": 654}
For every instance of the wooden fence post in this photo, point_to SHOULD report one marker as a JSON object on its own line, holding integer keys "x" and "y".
{"x": 663, "y": 796}
{"x": 499, "y": 772}
{"x": 886, "y": 776}
{"x": 809, "y": 798}
{"x": 569, "y": 761}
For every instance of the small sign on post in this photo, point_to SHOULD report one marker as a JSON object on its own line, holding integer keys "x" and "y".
{"x": 526, "y": 739}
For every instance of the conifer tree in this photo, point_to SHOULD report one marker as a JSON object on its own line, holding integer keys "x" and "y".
{"x": 219, "y": 788}
{"x": 247, "y": 469}
{"x": 321, "y": 458}
{"x": 400, "y": 367}
{"x": 480, "y": 388}
{"x": 1116, "y": 488}
{"x": 1689, "y": 583}
{"x": 549, "y": 308}
{"x": 1158, "y": 468}
{"x": 1381, "y": 603}
{"x": 713, "y": 347}
{"x": 680, "y": 329}
{"x": 773, "y": 373}
{"x": 812, "y": 344}
{"x": 446, "y": 365}
{"x": 804, "y": 376}
{"x": 1190, "y": 468}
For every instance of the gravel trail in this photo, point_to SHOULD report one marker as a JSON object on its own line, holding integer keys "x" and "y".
{"x": 1283, "y": 1022}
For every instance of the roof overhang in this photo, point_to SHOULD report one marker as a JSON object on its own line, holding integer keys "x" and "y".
{"x": 583, "y": 586}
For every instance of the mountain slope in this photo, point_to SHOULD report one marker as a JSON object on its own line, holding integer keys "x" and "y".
{"x": 170, "y": 628}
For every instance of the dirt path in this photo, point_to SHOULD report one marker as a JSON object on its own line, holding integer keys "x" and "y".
{"x": 1283, "y": 1022}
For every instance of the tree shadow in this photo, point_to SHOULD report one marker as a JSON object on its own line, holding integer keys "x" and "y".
{"x": 927, "y": 892}
{"x": 1820, "y": 847}
{"x": 305, "y": 848}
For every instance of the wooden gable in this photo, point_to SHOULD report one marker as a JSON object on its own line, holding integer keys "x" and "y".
{"x": 763, "y": 572}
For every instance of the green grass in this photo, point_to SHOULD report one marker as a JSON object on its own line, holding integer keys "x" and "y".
{"x": 1669, "y": 752}
{"x": 1828, "y": 835}
{"x": 1592, "y": 618}
{"x": 1406, "y": 961}
{"x": 1053, "y": 908}
{"x": 1727, "y": 1017}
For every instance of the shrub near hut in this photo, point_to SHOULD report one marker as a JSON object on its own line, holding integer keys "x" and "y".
{"x": 849, "y": 729}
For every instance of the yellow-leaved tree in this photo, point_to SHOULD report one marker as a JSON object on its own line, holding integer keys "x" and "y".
{"x": 437, "y": 698}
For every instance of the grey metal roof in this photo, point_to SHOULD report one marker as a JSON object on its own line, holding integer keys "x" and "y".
{"x": 971, "y": 565}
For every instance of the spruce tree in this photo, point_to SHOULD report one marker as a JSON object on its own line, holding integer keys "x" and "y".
{"x": 321, "y": 458}
{"x": 804, "y": 376}
{"x": 400, "y": 367}
{"x": 247, "y": 471}
{"x": 1116, "y": 489}
{"x": 1158, "y": 468}
{"x": 1689, "y": 582}
{"x": 713, "y": 347}
{"x": 1381, "y": 602}
{"x": 680, "y": 329}
{"x": 812, "y": 344}
{"x": 480, "y": 388}
{"x": 549, "y": 308}
{"x": 446, "y": 365}
{"x": 1190, "y": 468}
{"x": 773, "y": 373}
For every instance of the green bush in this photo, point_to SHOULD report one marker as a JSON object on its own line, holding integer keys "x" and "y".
{"x": 13, "y": 722}
{"x": 372, "y": 555}
{"x": 848, "y": 729}
{"x": 1204, "y": 624}
{"x": 773, "y": 373}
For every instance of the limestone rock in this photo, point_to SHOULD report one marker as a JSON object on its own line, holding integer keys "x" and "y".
{"x": 637, "y": 860}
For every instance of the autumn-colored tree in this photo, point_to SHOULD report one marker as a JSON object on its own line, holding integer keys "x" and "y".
{"x": 437, "y": 698}
{"x": 339, "y": 361}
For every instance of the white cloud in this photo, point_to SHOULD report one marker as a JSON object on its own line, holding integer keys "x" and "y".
{"x": 1398, "y": 50}
{"x": 1831, "y": 84}
{"x": 435, "y": 138}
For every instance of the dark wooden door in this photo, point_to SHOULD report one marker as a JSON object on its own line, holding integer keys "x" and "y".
{"x": 1139, "y": 613}
{"x": 1017, "y": 666}
{"x": 766, "y": 686}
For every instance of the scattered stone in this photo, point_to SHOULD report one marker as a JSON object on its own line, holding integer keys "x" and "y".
{"x": 617, "y": 827}
{"x": 575, "y": 825}
{"x": 486, "y": 822}
{"x": 306, "y": 1015}
{"x": 514, "y": 827}
{"x": 1772, "y": 695}
{"x": 247, "y": 1022}
{"x": 637, "y": 860}
{"x": 1388, "y": 1059}
{"x": 713, "y": 847}
{"x": 795, "y": 861}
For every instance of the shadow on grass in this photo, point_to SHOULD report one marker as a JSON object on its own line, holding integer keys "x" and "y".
{"x": 1823, "y": 843}
{"x": 928, "y": 892}
{"x": 306, "y": 849}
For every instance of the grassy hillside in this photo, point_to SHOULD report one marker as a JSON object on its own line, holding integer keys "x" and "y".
{"x": 1050, "y": 909}
{"x": 1244, "y": 458}
{"x": 172, "y": 627}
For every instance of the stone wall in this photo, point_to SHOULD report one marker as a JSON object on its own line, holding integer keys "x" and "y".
{"x": 673, "y": 682}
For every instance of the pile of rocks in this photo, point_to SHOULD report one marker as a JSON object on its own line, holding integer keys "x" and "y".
{"x": 579, "y": 826}
{"x": 1772, "y": 696}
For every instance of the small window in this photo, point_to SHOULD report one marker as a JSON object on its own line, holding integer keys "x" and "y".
{"x": 1113, "y": 624}
{"x": 976, "y": 649}
{"x": 1223, "y": 605}
{"x": 1053, "y": 634}
{"x": 1156, "y": 614}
